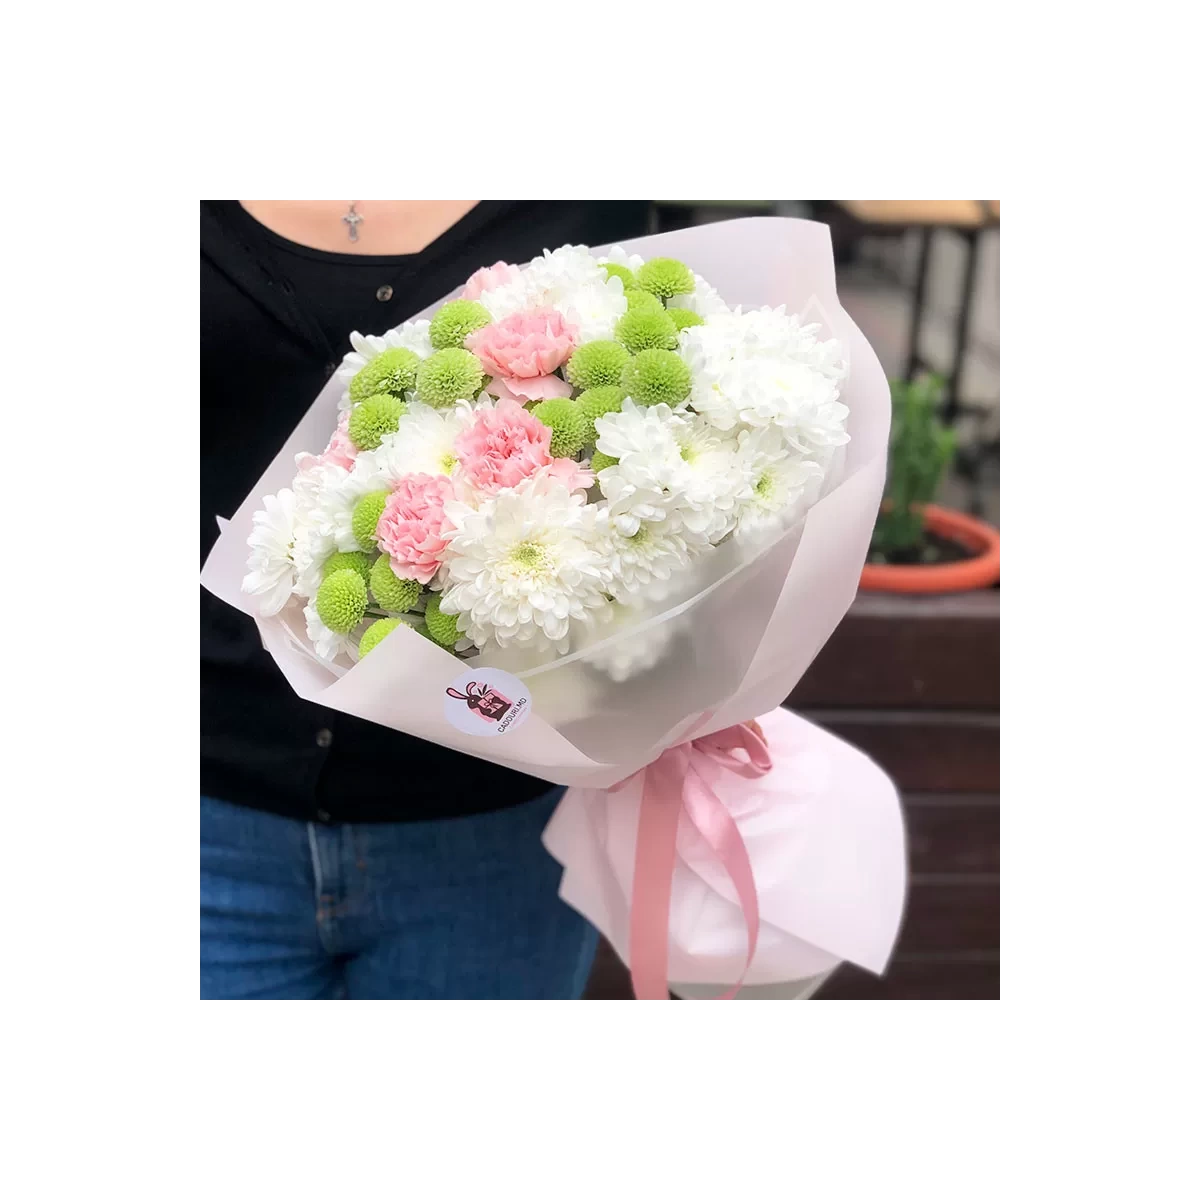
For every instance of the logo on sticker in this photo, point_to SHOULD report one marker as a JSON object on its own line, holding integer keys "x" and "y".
{"x": 487, "y": 703}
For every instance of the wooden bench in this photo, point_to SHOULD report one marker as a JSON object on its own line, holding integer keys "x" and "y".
{"x": 914, "y": 681}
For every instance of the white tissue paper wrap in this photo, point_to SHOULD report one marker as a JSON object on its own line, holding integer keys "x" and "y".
{"x": 824, "y": 835}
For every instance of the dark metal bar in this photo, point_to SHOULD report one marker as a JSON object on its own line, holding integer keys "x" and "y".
{"x": 918, "y": 307}
{"x": 962, "y": 331}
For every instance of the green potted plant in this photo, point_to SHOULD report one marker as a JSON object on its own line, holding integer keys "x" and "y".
{"x": 917, "y": 546}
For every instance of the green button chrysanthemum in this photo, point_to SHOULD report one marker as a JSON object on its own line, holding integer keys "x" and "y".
{"x": 624, "y": 274}
{"x": 375, "y": 633}
{"x": 567, "y": 425}
{"x": 452, "y": 322}
{"x": 366, "y": 516}
{"x": 443, "y": 627}
{"x": 342, "y": 600}
{"x": 394, "y": 371}
{"x": 684, "y": 318}
{"x": 374, "y": 417}
{"x": 392, "y": 592}
{"x": 657, "y": 377}
{"x": 601, "y": 460}
{"x": 642, "y": 302}
{"x": 449, "y": 375}
{"x": 595, "y": 402}
{"x": 646, "y": 329}
{"x": 354, "y": 560}
{"x": 596, "y": 364}
{"x": 665, "y": 277}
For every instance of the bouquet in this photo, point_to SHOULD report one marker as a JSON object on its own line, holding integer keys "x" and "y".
{"x": 599, "y": 506}
{"x": 553, "y": 453}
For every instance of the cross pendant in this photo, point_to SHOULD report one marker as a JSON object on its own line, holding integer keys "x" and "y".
{"x": 352, "y": 219}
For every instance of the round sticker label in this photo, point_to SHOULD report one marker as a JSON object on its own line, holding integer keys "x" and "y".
{"x": 486, "y": 703}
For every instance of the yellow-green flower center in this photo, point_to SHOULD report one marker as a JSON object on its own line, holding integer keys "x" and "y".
{"x": 641, "y": 537}
{"x": 687, "y": 453}
{"x": 529, "y": 557}
{"x": 765, "y": 487}
{"x": 449, "y": 462}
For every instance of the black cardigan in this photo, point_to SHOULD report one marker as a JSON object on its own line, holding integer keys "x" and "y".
{"x": 275, "y": 319}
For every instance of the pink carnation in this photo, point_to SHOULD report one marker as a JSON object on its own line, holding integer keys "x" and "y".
{"x": 544, "y": 387}
{"x": 522, "y": 350}
{"x": 525, "y": 345}
{"x": 339, "y": 453}
{"x": 502, "y": 446}
{"x": 487, "y": 278}
{"x": 411, "y": 526}
{"x": 568, "y": 472}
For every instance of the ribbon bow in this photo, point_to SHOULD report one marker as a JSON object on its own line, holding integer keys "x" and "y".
{"x": 675, "y": 783}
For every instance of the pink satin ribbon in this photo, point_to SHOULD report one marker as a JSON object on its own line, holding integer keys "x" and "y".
{"x": 674, "y": 784}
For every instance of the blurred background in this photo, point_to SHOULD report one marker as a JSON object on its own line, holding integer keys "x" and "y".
{"x": 912, "y": 675}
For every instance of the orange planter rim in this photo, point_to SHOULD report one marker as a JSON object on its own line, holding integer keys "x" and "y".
{"x": 980, "y": 571}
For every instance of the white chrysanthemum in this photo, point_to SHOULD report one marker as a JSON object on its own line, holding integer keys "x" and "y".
{"x": 638, "y": 649}
{"x": 568, "y": 280}
{"x": 782, "y": 482}
{"x": 702, "y": 300}
{"x": 330, "y": 514}
{"x": 272, "y": 572}
{"x": 644, "y": 564}
{"x": 595, "y": 308}
{"x": 311, "y": 482}
{"x": 548, "y": 279}
{"x": 669, "y": 463}
{"x": 573, "y": 283}
{"x": 412, "y": 335}
{"x": 562, "y": 269}
{"x": 313, "y": 540}
{"x": 422, "y": 445}
{"x": 518, "y": 295}
{"x": 619, "y": 256}
{"x": 765, "y": 368}
{"x": 525, "y": 566}
{"x": 311, "y": 549}
{"x": 326, "y": 642}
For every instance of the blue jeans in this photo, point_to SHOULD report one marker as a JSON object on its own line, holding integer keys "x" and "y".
{"x": 462, "y": 909}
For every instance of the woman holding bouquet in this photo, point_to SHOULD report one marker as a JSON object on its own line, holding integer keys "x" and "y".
{"x": 340, "y": 859}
